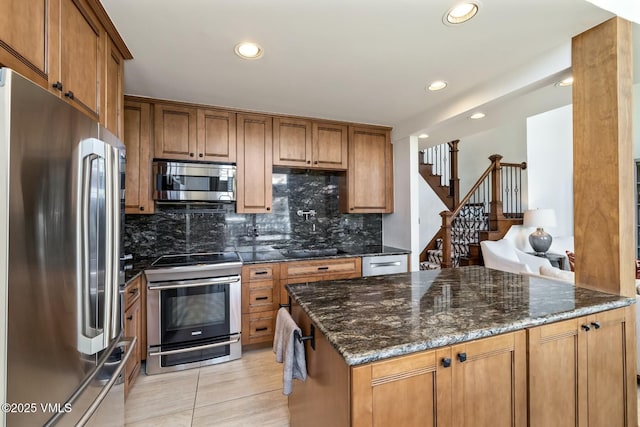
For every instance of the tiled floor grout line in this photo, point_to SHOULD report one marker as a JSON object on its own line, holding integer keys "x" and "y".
{"x": 195, "y": 398}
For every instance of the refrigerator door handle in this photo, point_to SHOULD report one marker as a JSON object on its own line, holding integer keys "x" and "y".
{"x": 92, "y": 340}
{"x": 115, "y": 243}
{"x": 131, "y": 343}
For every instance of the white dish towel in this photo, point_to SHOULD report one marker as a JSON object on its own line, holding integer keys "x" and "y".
{"x": 289, "y": 350}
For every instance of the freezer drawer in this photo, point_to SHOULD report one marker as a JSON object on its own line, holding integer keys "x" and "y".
{"x": 384, "y": 264}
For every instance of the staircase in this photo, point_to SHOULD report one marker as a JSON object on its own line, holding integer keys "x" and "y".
{"x": 439, "y": 167}
{"x": 487, "y": 212}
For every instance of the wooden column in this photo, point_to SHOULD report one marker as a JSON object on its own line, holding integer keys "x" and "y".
{"x": 495, "y": 204}
{"x": 603, "y": 158}
{"x": 454, "y": 181}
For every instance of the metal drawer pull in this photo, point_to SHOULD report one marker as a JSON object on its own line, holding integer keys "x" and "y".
{"x": 261, "y": 272}
{"x": 261, "y": 298}
{"x": 385, "y": 264}
{"x": 186, "y": 284}
{"x": 187, "y": 350}
{"x": 323, "y": 268}
{"x": 261, "y": 329}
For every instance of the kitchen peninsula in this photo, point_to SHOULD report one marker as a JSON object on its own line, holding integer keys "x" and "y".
{"x": 466, "y": 346}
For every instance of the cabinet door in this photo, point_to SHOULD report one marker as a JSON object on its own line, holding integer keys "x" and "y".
{"x": 25, "y": 27}
{"x": 369, "y": 182}
{"x": 81, "y": 56}
{"x": 113, "y": 118}
{"x": 137, "y": 139}
{"x": 292, "y": 142}
{"x": 555, "y": 353}
{"x": 216, "y": 136}
{"x": 330, "y": 146}
{"x": 254, "y": 163}
{"x": 489, "y": 382}
{"x": 401, "y": 391}
{"x": 611, "y": 347}
{"x": 132, "y": 328}
{"x": 175, "y": 132}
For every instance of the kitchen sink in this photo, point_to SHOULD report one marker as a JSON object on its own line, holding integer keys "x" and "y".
{"x": 310, "y": 253}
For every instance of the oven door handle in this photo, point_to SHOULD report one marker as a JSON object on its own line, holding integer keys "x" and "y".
{"x": 184, "y": 284}
{"x": 201, "y": 347}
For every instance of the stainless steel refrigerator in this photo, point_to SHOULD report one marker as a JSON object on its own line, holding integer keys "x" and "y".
{"x": 61, "y": 348}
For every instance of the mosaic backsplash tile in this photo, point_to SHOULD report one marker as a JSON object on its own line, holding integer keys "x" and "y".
{"x": 189, "y": 229}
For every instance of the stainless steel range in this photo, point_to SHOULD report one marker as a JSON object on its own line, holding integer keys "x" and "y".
{"x": 193, "y": 311}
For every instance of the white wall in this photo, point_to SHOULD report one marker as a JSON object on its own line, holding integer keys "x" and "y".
{"x": 509, "y": 140}
{"x": 401, "y": 229}
{"x": 430, "y": 208}
{"x": 550, "y": 165}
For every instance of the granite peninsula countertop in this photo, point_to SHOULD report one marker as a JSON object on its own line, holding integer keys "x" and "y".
{"x": 373, "y": 318}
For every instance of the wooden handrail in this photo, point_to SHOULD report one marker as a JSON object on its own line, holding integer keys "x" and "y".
{"x": 496, "y": 203}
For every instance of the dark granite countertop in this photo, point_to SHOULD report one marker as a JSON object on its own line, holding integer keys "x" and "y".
{"x": 373, "y": 318}
{"x": 301, "y": 254}
{"x": 267, "y": 254}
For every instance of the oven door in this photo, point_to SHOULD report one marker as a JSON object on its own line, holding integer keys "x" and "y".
{"x": 194, "y": 310}
{"x": 191, "y": 321}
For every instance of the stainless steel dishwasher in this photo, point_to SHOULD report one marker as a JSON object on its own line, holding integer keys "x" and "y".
{"x": 384, "y": 264}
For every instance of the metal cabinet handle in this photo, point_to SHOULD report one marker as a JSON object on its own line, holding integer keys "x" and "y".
{"x": 191, "y": 155}
{"x": 587, "y": 328}
{"x": 261, "y": 298}
{"x": 595, "y": 325}
{"x": 323, "y": 268}
{"x": 130, "y": 317}
{"x": 261, "y": 329}
{"x": 462, "y": 357}
{"x": 57, "y": 85}
{"x": 69, "y": 95}
{"x": 200, "y": 155}
{"x": 446, "y": 362}
{"x": 260, "y": 272}
{"x": 308, "y": 162}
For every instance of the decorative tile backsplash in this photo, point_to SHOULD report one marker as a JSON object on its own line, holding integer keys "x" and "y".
{"x": 189, "y": 229}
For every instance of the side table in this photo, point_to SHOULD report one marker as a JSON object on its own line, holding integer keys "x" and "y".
{"x": 556, "y": 260}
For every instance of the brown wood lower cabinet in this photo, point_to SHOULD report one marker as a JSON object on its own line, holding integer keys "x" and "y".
{"x": 133, "y": 328}
{"x": 582, "y": 371}
{"x": 260, "y": 296}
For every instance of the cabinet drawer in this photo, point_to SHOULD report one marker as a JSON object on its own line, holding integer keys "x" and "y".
{"x": 260, "y": 273}
{"x": 259, "y": 328}
{"x": 132, "y": 292}
{"x": 260, "y": 299}
{"x": 323, "y": 267}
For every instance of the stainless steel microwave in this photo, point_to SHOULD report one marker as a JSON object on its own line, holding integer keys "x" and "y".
{"x": 193, "y": 182}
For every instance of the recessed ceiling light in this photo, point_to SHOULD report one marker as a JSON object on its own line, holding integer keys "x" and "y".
{"x": 476, "y": 116}
{"x": 565, "y": 82}
{"x": 423, "y": 136}
{"x": 437, "y": 85}
{"x": 461, "y": 13}
{"x": 248, "y": 50}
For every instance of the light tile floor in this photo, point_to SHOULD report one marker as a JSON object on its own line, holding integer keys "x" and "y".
{"x": 244, "y": 392}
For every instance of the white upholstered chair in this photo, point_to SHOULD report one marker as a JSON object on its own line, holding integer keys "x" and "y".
{"x": 503, "y": 255}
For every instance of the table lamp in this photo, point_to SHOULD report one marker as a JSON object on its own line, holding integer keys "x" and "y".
{"x": 540, "y": 240}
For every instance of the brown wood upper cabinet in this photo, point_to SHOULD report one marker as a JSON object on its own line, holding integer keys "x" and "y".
{"x": 81, "y": 56}
{"x": 368, "y": 184}
{"x": 186, "y": 133}
{"x": 25, "y": 28}
{"x": 254, "y": 163}
{"x": 137, "y": 139}
{"x": 69, "y": 47}
{"x": 113, "y": 118}
{"x": 307, "y": 144}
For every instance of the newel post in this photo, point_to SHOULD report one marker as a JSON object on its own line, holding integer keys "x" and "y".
{"x": 454, "y": 181}
{"x": 447, "y": 219}
{"x": 495, "y": 205}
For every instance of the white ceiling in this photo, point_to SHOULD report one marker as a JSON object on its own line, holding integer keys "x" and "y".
{"x": 359, "y": 60}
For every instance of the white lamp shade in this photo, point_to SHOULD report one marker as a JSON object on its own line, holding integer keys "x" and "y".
{"x": 540, "y": 218}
